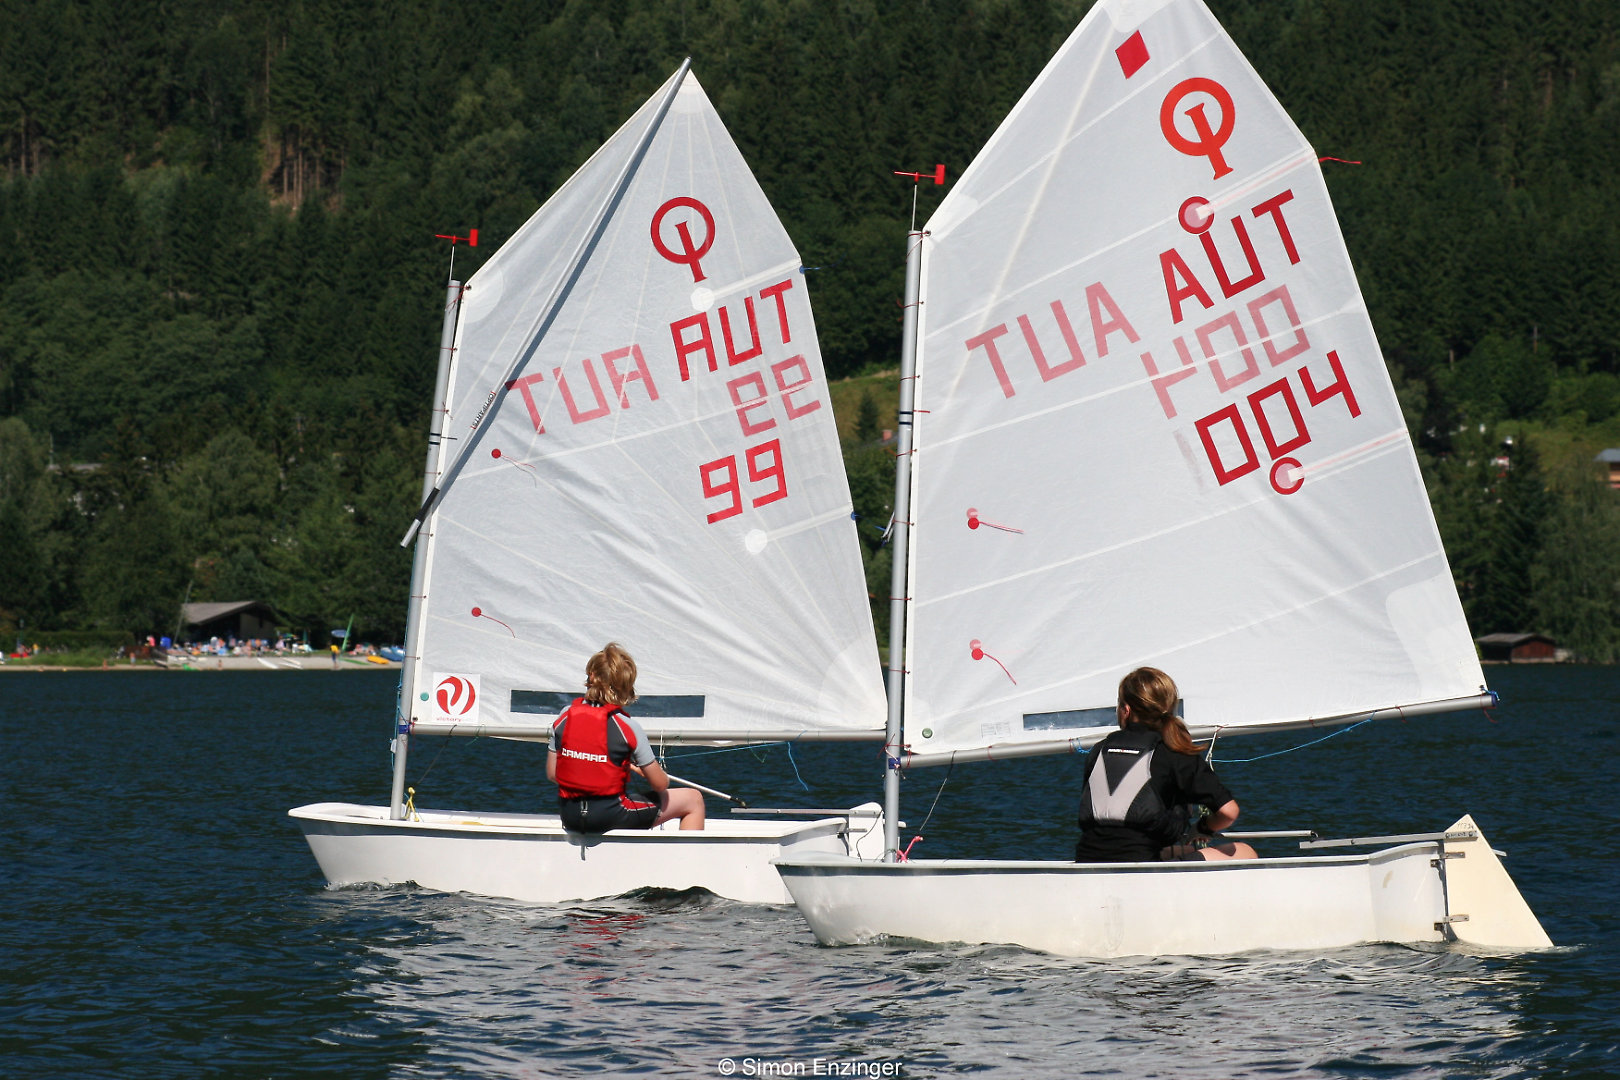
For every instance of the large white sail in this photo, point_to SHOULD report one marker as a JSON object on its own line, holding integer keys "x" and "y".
{"x": 663, "y": 472}
{"x": 1154, "y": 425}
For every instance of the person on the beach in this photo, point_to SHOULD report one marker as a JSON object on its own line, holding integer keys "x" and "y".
{"x": 1140, "y": 780}
{"x": 595, "y": 746}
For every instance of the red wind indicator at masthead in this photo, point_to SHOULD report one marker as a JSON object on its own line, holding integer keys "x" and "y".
{"x": 471, "y": 239}
{"x": 937, "y": 176}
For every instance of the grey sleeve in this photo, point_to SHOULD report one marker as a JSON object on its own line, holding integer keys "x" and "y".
{"x": 643, "y": 753}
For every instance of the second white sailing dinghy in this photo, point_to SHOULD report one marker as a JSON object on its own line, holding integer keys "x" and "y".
{"x": 638, "y": 446}
{"x": 1153, "y": 426}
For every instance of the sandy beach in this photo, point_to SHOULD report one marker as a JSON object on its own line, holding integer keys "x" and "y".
{"x": 286, "y": 662}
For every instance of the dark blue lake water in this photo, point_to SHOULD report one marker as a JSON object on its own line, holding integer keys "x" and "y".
{"x": 163, "y": 917}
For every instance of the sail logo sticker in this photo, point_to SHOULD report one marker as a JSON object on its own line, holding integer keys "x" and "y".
{"x": 1133, "y": 55}
{"x": 1207, "y": 141}
{"x": 455, "y": 697}
{"x": 689, "y": 253}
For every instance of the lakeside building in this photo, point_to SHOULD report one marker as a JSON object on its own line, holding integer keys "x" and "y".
{"x": 1611, "y": 460}
{"x": 1519, "y": 649}
{"x": 239, "y": 619}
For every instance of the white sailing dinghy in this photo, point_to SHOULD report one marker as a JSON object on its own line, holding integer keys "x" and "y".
{"x": 638, "y": 446}
{"x": 1153, "y": 426}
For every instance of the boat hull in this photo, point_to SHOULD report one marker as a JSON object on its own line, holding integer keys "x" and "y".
{"x": 1407, "y": 893}
{"x": 531, "y": 857}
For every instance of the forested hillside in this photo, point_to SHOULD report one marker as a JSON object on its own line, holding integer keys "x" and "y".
{"x": 220, "y": 296}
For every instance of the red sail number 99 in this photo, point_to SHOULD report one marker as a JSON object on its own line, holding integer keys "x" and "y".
{"x": 722, "y": 480}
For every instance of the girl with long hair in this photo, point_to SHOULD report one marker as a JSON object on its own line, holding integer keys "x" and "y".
{"x": 1140, "y": 780}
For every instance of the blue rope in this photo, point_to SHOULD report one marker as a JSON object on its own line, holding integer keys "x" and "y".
{"x": 795, "y": 765}
{"x": 1291, "y": 749}
{"x": 750, "y": 746}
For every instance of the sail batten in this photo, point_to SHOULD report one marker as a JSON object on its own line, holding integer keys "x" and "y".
{"x": 546, "y": 314}
{"x": 1045, "y": 570}
{"x": 1153, "y": 422}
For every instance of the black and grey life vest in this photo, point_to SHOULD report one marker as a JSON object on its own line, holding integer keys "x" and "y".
{"x": 1120, "y": 791}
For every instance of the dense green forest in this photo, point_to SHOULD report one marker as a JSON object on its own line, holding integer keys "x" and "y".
{"x": 220, "y": 295}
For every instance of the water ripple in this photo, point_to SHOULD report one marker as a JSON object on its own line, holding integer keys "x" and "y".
{"x": 165, "y": 920}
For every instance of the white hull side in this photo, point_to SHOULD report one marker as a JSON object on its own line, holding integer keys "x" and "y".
{"x": 1108, "y": 910}
{"x": 531, "y": 857}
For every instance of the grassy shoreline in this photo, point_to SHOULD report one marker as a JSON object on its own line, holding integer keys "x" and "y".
{"x": 311, "y": 662}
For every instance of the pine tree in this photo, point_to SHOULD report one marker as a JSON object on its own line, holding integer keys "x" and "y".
{"x": 1577, "y": 576}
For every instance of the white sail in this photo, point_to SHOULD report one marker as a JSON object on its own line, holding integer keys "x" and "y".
{"x": 664, "y": 471}
{"x": 1154, "y": 425}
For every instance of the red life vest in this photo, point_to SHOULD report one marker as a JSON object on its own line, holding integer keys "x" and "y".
{"x": 593, "y": 750}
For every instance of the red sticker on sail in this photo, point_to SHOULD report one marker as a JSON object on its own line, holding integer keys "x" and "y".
{"x": 1132, "y": 55}
{"x": 455, "y": 697}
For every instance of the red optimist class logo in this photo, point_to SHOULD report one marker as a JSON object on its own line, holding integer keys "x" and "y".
{"x": 455, "y": 696}
{"x": 1206, "y": 140}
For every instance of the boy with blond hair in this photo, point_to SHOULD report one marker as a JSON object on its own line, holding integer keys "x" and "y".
{"x": 596, "y": 745}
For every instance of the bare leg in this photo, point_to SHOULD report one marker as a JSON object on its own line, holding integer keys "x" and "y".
{"x": 683, "y": 803}
{"x": 1229, "y": 849}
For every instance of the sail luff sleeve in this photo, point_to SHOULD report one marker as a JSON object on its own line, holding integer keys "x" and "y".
{"x": 558, "y": 297}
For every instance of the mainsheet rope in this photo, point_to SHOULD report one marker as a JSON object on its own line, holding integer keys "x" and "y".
{"x": 1210, "y": 755}
{"x": 751, "y": 746}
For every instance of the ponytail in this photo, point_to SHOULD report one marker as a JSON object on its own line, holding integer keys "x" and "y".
{"x": 1152, "y": 697}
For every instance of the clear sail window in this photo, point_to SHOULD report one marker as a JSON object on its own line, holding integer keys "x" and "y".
{"x": 651, "y": 707}
{"x": 1082, "y": 718}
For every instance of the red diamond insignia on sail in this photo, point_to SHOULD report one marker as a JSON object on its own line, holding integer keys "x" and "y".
{"x": 1132, "y": 55}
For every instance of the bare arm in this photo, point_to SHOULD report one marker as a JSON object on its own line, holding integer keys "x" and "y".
{"x": 1222, "y": 817}
{"x": 654, "y": 774}
{"x": 551, "y": 766}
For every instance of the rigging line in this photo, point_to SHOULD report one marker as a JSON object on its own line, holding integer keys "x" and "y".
{"x": 423, "y": 778}
{"x": 727, "y": 750}
{"x": 1291, "y": 749}
{"x": 935, "y": 803}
